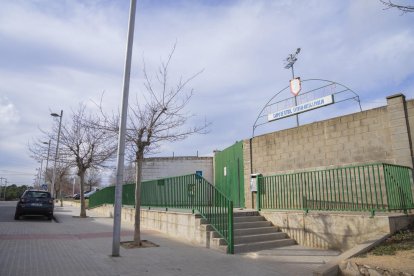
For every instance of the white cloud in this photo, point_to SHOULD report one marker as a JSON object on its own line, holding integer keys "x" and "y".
{"x": 8, "y": 113}
{"x": 70, "y": 51}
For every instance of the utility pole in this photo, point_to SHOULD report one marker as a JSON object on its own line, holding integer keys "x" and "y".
{"x": 1, "y": 183}
{"x": 56, "y": 153}
{"x": 5, "y": 188}
{"x": 116, "y": 240}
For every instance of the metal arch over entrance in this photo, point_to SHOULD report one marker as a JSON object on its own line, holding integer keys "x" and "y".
{"x": 317, "y": 93}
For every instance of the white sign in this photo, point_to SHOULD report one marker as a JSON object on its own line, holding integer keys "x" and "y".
{"x": 253, "y": 184}
{"x": 327, "y": 100}
{"x": 295, "y": 86}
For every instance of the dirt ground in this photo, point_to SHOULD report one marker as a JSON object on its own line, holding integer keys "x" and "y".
{"x": 395, "y": 256}
{"x": 402, "y": 261}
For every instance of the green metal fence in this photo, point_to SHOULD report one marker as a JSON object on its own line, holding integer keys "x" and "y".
{"x": 183, "y": 192}
{"x": 369, "y": 187}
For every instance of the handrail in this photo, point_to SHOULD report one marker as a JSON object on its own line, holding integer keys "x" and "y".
{"x": 182, "y": 192}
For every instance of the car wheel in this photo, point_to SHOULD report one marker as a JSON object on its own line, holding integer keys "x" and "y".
{"x": 49, "y": 217}
{"x": 16, "y": 216}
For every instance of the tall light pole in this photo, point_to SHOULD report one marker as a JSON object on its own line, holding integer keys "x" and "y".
{"x": 5, "y": 188}
{"x": 40, "y": 174}
{"x": 57, "y": 152}
{"x": 47, "y": 159}
{"x": 1, "y": 183}
{"x": 121, "y": 139}
{"x": 290, "y": 61}
{"x": 73, "y": 186}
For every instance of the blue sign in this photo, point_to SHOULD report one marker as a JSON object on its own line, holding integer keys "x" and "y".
{"x": 44, "y": 187}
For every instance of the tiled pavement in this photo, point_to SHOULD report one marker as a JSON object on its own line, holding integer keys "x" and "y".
{"x": 76, "y": 246}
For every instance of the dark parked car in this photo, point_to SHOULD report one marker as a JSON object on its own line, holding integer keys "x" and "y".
{"x": 34, "y": 202}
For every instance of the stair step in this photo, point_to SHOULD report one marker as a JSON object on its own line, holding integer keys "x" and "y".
{"x": 254, "y": 224}
{"x": 244, "y": 213}
{"x": 257, "y": 246}
{"x": 259, "y": 237}
{"x": 253, "y": 231}
{"x": 248, "y": 219}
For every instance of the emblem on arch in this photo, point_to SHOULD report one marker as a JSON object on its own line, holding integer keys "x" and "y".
{"x": 295, "y": 86}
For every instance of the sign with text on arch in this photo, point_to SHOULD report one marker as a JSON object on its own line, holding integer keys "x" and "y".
{"x": 327, "y": 100}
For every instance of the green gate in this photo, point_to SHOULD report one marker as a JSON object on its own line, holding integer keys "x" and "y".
{"x": 229, "y": 173}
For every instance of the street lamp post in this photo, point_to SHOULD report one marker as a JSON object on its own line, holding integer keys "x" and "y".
{"x": 116, "y": 237}
{"x": 56, "y": 154}
{"x": 47, "y": 159}
{"x": 73, "y": 186}
{"x": 40, "y": 174}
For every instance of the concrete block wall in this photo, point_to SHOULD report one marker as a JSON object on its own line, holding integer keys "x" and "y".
{"x": 161, "y": 167}
{"x": 184, "y": 226}
{"x": 331, "y": 230}
{"x": 377, "y": 135}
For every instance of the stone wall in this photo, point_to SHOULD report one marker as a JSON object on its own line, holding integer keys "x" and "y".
{"x": 377, "y": 135}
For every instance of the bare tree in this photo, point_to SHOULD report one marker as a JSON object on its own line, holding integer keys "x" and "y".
{"x": 392, "y": 5}
{"x": 161, "y": 118}
{"x": 93, "y": 178}
{"x": 85, "y": 146}
{"x": 82, "y": 146}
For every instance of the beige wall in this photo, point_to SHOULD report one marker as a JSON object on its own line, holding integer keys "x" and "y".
{"x": 162, "y": 167}
{"x": 377, "y": 135}
{"x": 332, "y": 230}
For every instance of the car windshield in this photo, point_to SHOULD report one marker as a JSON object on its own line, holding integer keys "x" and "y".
{"x": 35, "y": 194}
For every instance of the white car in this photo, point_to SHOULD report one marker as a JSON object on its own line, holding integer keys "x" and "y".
{"x": 87, "y": 195}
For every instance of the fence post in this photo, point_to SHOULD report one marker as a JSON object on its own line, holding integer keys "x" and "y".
{"x": 258, "y": 193}
{"x": 230, "y": 246}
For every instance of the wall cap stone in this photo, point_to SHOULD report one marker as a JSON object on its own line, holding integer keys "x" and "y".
{"x": 396, "y": 96}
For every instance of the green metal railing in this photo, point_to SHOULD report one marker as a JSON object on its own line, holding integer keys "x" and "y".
{"x": 183, "y": 192}
{"x": 369, "y": 187}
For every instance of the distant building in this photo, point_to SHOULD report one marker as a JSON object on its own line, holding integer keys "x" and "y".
{"x": 162, "y": 167}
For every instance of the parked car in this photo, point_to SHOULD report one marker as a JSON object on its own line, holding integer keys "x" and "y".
{"x": 88, "y": 194}
{"x": 76, "y": 196}
{"x": 35, "y": 202}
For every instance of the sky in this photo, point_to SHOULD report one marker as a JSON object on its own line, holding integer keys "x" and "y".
{"x": 55, "y": 54}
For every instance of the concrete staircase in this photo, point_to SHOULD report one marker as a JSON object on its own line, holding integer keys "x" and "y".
{"x": 252, "y": 232}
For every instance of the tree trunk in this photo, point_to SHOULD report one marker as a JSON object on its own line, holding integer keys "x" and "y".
{"x": 81, "y": 174}
{"x": 138, "y": 176}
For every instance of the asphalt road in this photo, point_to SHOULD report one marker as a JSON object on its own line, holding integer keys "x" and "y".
{"x": 8, "y": 208}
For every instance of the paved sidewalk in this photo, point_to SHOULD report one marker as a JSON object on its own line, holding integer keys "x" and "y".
{"x": 76, "y": 246}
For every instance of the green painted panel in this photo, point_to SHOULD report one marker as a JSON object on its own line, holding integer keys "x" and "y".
{"x": 228, "y": 176}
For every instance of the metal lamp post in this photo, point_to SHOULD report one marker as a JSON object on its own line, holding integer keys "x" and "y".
{"x": 56, "y": 153}
{"x": 290, "y": 61}
{"x": 116, "y": 239}
{"x": 47, "y": 158}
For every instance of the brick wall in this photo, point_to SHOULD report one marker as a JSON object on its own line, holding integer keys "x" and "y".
{"x": 377, "y": 135}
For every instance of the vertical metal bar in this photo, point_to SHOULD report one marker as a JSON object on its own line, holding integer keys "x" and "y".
{"x": 382, "y": 181}
{"x": 344, "y": 205}
{"x": 230, "y": 227}
{"x": 259, "y": 190}
{"x": 375, "y": 185}
{"x": 370, "y": 187}
{"x": 320, "y": 191}
{"x": 349, "y": 174}
{"x": 365, "y": 188}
